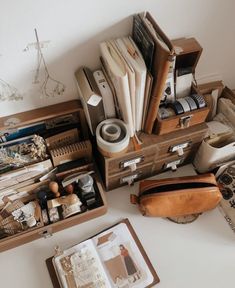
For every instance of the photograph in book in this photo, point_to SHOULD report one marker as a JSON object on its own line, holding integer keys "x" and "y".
{"x": 122, "y": 258}
{"x": 112, "y": 259}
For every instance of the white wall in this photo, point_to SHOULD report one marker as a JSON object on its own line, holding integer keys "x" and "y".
{"x": 75, "y": 28}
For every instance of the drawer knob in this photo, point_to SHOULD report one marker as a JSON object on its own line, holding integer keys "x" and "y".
{"x": 133, "y": 167}
{"x": 185, "y": 121}
{"x": 180, "y": 151}
{"x": 173, "y": 165}
{"x": 179, "y": 148}
{"x": 130, "y": 179}
{"x": 130, "y": 182}
{"x": 132, "y": 163}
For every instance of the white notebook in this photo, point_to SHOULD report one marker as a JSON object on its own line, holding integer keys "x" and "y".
{"x": 131, "y": 79}
{"x": 133, "y": 56}
{"x": 116, "y": 68}
{"x": 106, "y": 93}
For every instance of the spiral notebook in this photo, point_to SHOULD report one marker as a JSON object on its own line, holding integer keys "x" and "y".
{"x": 112, "y": 258}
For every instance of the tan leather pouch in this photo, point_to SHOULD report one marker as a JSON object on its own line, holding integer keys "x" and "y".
{"x": 177, "y": 196}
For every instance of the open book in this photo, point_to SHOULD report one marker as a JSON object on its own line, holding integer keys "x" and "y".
{"x": 113, "y": 258}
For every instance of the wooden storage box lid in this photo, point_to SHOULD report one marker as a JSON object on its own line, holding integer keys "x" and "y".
{"x": 40, "y": 114}
{"x": 188, "y": 52}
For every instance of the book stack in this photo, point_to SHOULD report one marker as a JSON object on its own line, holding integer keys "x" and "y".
{"x": 135, "y": 72}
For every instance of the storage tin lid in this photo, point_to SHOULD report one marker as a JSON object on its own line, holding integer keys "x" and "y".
{"x": 188, "y": 52}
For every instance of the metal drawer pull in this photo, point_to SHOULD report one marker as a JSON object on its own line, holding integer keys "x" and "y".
{"x": 131, "y": 163}
{"x": 130, "y": 179}
{"x": 185, "y": 121}
{"x": 179, "y": 148}
{"x": 173, "y": 165}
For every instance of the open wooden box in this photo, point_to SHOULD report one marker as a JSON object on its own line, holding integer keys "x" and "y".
{"x": 100, "y": 206}
{"x": 188, "y": 52}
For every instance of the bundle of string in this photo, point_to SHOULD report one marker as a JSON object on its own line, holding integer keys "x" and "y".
{"x": 8, "y": 92}
{"x": 50, "y": 86}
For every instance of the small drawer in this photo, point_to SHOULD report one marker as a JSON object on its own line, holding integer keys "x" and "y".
{"x": 172, "y": 162}
{"x": 182, "y": 121}
{"x": 129, "y": 177}
{"x": 132, "y": 161}
{"x": 183, "y": 141}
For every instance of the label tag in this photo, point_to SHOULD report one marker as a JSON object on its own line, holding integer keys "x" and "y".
{"x": 173, "y": 163}
{"x": 94, "y": 100}
{"x": 179, "y": 146}
{"x": 128, "y": 163}
{"x": 130, "y": 178}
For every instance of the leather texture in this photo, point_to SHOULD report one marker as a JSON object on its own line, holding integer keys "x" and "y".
{"x": 177, "y": 196}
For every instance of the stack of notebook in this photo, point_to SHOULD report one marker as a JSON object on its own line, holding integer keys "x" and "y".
{"x": 134, "y": 75}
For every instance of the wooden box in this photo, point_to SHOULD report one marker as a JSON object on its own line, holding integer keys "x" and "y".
{"x": 100, "y": 208}
{"x": 188, "y": 52}
{"x": 157, "y": 154}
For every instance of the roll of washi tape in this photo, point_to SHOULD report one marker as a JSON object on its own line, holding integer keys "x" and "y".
{"x": 110, "y": 132}
{"x": 200, "y": 101}
{"x": 115, "y": 147}
{"x": 171, "y": 111}
{"x": 177, "y": 107}
{"x": 191, "y": 102}
{"x": 184, "y": 104}
{"x": 165, "y": 113}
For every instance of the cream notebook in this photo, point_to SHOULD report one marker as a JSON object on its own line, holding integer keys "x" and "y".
{"x": 131, "y": 80}
{"x": 133, "y": 56}
{"x": 116, "y": 68}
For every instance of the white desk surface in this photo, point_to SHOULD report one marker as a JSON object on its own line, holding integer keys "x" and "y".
{"x": 200, "y": 254}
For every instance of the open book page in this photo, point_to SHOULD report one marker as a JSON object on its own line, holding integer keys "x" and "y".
{"x": 123, "y": 261}
{"x": 81, "y": 267}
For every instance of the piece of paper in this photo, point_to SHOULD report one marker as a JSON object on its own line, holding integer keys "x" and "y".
{"x": 183, "y": 85}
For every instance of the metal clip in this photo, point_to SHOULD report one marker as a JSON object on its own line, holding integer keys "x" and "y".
{"x": 185, "y": 121}
{"x": 179, "y": 148}
{"x": 132, "y": 163}
{"x": 46, "y": 233}
{"x": 130, "y": 179}
{"x": 173, "y": 165}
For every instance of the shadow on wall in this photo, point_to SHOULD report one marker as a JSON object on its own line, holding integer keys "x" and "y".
{"x": 63, "y": 69}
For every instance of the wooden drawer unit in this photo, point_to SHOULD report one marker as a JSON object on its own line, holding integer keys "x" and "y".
{"x": 188, "y": 52}
{"x": 156, "y": 152}
{"x": 147, "y": 170}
